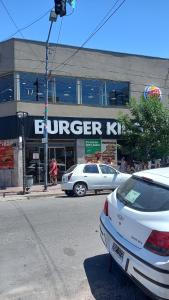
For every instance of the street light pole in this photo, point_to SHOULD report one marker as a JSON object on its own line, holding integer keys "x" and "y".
{"x": 52, "y": 18}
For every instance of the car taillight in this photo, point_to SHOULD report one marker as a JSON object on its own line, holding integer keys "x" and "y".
{"x": 158, "y": 242}
{"x": 106, "y": 208}
{"x": 69, "y": 176}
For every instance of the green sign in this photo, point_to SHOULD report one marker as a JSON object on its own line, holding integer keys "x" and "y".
{"x": 92, "y": 146}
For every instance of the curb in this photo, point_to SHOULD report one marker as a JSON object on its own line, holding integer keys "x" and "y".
{"x": 30, "y": 196}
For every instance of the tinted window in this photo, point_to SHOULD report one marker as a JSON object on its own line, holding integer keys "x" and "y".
{"x": 91, "y": 169}
{"x": 143, "y": 195}
{"x": 6, "y": 88}
{"x": 107, "y": 170}
{"x": 117, "y": 93}
{"x": 66, "y": 89}
{"x": 32, "y": 87}
{"x": 92, "y": 92}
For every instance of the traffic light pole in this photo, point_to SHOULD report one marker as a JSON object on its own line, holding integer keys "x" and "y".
{"x": 53, "y": 18}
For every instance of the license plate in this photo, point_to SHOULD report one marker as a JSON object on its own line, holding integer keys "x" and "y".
{"x": 118, "y": 252}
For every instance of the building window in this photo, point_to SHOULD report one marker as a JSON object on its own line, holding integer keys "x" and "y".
{"x": 32, "y": 87}
{"x": 6, "y": 88}
{"x": 92, "y": 92}
{"x": 66, "y": 90}
{"x": 117, "y": 93}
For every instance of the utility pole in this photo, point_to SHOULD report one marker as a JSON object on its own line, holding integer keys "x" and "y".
{"x": 52, "y": 18}
{"x": 60, "y": 9}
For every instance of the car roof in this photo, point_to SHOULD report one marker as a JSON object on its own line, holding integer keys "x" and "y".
{"x": 160, "y": 175}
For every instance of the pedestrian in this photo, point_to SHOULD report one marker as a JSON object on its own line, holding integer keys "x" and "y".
{"x": 157, "y": 163}
{"x": 149, "y": 164}
{"x": 53, "y": 171}
{"x": 123, "y": 165}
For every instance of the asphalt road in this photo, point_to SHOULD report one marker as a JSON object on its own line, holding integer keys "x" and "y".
{"x": 50, "y": 249}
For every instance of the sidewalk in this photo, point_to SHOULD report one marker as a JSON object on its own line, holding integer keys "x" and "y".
{"x": 15, "y": 193}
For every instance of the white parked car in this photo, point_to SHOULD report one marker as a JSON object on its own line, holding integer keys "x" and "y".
{"x": 134, "y": 227}
{"x": 91, "y": 176}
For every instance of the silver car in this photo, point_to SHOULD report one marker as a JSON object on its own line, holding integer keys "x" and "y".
{"x": 91, "y": 176}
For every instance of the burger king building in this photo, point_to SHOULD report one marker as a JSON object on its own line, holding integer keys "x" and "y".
{"x": 87, "y": 90}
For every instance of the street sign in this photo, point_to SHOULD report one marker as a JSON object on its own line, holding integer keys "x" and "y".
{"x": 92, "y": 146}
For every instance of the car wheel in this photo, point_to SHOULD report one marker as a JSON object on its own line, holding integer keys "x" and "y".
{"x": 69, "y": 193}
{"x": 80, "y": 189}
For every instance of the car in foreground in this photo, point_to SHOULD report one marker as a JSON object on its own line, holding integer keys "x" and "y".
{"x": 80, "y": 178}
{"x": 134, "y": 227}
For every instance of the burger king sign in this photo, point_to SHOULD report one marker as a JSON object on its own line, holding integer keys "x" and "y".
{"x": 151, "y": 91}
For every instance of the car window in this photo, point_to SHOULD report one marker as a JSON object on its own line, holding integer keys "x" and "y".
{"x": 91, "y": 169}
{"x": 143, "y": 195}
{"x": 107, "y": 170}
{"x": 71, "y": 169}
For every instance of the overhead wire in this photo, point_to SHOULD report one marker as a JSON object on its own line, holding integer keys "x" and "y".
{"x": 59, "y": 34}
{"x": 29, "y": 25}
{"x": 60, "y": 28}
{"x": 109, "y": 11}
{"x": 91, "y": 35}
{"x": 98, "y": 27}
{"x": 16, "y": 26}
{"x": 11, "y": 18}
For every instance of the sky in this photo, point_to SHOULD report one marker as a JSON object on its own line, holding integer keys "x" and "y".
{"x": 136, "y": 26}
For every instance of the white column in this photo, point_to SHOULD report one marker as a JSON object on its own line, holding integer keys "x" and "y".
{"x": 79, "y": 92}
{"x": 17, "y": 87}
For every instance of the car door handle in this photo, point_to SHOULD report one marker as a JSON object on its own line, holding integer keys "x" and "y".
{"x": 105, "y": 176}
{"x": 86, "y": 176}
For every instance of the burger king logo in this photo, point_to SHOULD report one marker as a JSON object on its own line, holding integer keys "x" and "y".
{"x": 151, "y": 91}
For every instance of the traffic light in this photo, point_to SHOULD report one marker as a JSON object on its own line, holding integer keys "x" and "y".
{"x": 60, "y": 7}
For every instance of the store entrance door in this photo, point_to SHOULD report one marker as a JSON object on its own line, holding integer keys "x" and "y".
{"x": 58, "y": 153}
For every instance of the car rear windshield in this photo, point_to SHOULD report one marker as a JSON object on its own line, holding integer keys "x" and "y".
{"x": 143, "y": 195}
{"x": 70, "y": 169}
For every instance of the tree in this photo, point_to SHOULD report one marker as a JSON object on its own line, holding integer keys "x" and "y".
{"x": 146, "y": 129}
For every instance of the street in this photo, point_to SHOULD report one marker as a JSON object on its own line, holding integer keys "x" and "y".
{"x": 51, "y": 250}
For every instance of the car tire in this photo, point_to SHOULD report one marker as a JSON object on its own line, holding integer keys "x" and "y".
{"x": 69, "y": 193}
{"x": 80, "y": 189}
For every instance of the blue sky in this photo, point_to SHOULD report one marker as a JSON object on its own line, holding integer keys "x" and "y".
{"x": 139, "y": 26}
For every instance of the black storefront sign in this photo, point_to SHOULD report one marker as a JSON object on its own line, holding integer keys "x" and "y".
{"x": 62, "y": 128}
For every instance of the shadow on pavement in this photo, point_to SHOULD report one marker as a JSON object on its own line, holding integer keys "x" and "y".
{"x": 110, "y": 286}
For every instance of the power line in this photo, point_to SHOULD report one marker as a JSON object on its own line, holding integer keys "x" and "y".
{"x": 124, "y": 72}
{"x": 11, "y": 18}
{"x": 59, "y": 34}
{"x": 109, "y": 11}
{"x": 29, "y": 25}
{"x": 91, "y": 35}
{"x": 57, "y": 39}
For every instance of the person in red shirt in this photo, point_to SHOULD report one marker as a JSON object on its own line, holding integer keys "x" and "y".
{"x": 53, "y": 172}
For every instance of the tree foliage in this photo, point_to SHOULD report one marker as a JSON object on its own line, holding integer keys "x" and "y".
{"x": 146, "y": 129}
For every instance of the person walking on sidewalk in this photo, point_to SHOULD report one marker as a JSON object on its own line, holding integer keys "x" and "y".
{"x": 53, "y": 171}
